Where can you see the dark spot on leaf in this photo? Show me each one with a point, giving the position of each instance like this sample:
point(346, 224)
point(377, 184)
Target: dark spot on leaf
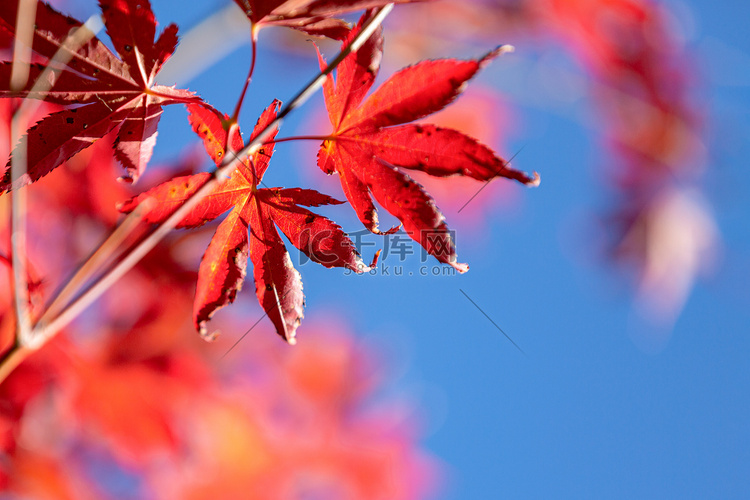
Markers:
point(85, 126)
point(269, 287)
point(419, 129)
point(128, 48)
point(309, 219)
point(69, 120)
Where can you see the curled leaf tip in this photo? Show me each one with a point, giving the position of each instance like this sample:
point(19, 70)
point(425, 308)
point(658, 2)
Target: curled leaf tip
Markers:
point(502, 49)
point(459, 266)
point(375, 259)
point(535, 180)
point(206, 335)
point(361, 268)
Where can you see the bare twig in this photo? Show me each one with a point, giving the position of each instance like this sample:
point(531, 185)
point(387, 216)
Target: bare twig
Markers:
point(19, 73)
point(248, 79)
point(19, 165)
point(108, 250)
point(12, 358)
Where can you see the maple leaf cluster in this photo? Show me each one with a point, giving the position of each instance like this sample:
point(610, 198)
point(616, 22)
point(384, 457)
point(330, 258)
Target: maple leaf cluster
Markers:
point(257, 211)
point(144, 409)
point(372, 146)
point(103, 92)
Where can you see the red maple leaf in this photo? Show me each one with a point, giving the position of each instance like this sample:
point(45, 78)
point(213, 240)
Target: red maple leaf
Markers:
point(311, 16)
point(259, 210)
point(370, 146)
point(114, 92)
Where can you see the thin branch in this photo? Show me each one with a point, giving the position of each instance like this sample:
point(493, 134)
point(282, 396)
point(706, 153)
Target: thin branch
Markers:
point(107, 251)
point(11, 358)
point(24, 37)
point(254, 49)
point(19, 75)
point(45, 331)
point(19, 167)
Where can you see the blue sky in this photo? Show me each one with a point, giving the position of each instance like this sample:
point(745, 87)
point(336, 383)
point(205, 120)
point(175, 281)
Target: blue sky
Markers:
point(587, 411)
